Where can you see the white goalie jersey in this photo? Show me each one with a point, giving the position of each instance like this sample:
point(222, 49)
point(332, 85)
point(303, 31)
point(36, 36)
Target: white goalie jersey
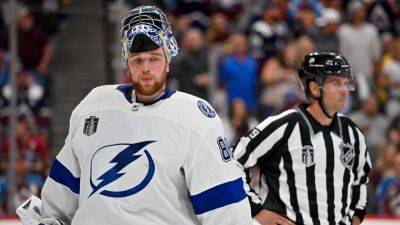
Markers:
point(127, 163)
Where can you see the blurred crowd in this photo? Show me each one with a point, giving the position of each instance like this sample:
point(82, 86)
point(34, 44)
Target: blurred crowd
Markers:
point(240, 55)
point(38, 23)
point(243, 56)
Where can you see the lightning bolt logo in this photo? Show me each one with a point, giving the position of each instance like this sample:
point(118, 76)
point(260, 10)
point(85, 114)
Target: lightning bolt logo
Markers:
point(121, 160)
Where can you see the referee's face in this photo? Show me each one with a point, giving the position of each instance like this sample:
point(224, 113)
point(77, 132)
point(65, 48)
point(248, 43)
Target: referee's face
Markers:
point(336, 90)
point(148, 71)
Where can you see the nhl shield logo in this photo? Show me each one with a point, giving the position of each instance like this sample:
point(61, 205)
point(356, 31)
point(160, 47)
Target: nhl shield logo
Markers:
point(90, 125)
point(307, 156)
point(347, 155)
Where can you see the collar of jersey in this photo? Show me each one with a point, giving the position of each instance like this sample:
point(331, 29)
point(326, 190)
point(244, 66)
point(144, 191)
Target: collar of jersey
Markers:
point(316, 126)
point(127, 89)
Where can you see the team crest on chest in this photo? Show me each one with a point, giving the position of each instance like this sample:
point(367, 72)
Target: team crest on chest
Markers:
point(347, 155)
point(307, 155)
point(90, 125)
point(113, 172)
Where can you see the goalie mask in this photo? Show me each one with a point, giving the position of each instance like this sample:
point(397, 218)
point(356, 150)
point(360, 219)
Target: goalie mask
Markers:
point(146, 28)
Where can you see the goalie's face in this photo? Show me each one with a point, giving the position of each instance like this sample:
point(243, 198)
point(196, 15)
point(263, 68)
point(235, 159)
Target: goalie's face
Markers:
point(148, 71)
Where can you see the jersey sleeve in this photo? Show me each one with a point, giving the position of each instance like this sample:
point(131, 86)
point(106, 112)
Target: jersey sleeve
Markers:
point(259, 143)
point(213, 181)
point(359, 187)
point(61, 190)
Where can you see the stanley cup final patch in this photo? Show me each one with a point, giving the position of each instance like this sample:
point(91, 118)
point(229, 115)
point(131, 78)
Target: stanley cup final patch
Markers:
point(347, 155)
point(307, 155)
point(90, 125)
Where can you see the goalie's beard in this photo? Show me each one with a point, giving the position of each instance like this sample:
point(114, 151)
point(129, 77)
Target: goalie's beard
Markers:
point(158, 85)
point(148, 90)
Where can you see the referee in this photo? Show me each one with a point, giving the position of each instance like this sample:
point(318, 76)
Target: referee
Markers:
point(311, 163)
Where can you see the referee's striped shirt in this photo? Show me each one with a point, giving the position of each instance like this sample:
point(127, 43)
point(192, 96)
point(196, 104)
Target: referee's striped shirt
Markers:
point(312, 174)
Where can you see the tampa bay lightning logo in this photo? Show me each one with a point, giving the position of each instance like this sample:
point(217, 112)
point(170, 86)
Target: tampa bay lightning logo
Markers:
point(123, 158)
point(205, 109)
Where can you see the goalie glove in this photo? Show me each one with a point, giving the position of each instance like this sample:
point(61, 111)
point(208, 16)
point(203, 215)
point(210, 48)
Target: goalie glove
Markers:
point(30, 213)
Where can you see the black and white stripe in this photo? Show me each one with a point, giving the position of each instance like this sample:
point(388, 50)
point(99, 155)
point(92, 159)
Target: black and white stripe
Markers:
point(323, 191)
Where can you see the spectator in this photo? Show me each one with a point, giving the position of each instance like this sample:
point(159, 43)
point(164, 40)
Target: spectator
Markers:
point(37, 172)
point(381, 14)
point(2, 22)
point(384, 168)
point(393, 131)
point(304, 45)
point(382, 91)
point(238, 72)
point(279, 82)
point(252, 10)
point(24, 189)
point(360, 44)
point(326, 39)
point(334, 4)
point(29, 145)
point(240, 122)
point(388, 42)
point(232, 9)
point(388, 193)
point(392, 70)
point(305, 22)
point(216, 35)
point(382, 80)
point(384, 164)
point(48, 14)
point(359, 41)
point(373, 124)
point(190, 67)
point(181, 24)
point(34, 49)
point(31, 99)
point(267, 35)
point(314, 5)
point(4, 67)
point(218, 31)
point(198, 12)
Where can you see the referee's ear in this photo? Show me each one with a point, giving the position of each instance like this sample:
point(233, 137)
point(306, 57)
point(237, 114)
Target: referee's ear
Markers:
point(315, 92)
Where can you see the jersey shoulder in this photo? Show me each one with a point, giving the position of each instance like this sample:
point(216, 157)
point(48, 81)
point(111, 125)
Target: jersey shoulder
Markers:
point(287, 116)
point(348, 122)
point(99, 97)
point(192, 111)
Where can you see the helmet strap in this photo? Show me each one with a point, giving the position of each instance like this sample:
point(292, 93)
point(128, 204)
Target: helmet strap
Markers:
point(320, 98)
point(322, 105)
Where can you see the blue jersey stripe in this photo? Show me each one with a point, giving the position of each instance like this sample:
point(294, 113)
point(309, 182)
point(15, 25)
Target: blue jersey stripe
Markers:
point(218, 196)
point(62, 175)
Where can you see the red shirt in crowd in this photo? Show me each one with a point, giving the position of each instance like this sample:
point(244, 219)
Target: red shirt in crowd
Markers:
point(34, 146)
